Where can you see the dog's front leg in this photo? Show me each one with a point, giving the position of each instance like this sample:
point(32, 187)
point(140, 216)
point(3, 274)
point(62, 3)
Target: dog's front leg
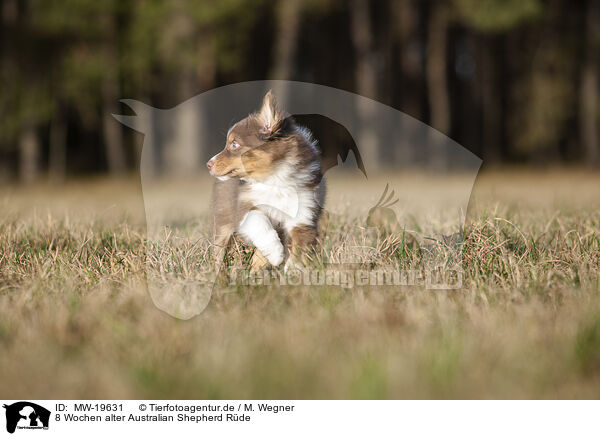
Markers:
point(221, 239)
point(257, 230)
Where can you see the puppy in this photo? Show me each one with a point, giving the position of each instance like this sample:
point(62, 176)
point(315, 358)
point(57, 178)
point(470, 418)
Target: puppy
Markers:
point(269, 188)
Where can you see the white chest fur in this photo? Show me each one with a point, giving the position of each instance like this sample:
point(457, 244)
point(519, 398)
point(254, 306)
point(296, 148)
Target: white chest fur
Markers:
point(283, 198)
point(280, 202)
point(287, 205)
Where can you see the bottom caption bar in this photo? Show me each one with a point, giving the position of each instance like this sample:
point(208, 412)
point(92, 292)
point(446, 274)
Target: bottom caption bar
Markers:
point(299, 417)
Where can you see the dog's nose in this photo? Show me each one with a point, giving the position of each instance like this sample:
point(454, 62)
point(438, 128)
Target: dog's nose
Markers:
point(210, 164)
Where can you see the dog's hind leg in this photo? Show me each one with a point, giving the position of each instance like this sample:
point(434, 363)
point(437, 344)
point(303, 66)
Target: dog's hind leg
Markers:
point(300, 238)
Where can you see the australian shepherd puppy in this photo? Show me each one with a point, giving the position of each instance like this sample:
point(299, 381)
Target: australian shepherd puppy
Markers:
point(269, 187)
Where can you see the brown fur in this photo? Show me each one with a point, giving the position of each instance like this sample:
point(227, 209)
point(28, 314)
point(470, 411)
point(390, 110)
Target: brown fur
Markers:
point(254, 148)
point(302, 236)
point(227, 213)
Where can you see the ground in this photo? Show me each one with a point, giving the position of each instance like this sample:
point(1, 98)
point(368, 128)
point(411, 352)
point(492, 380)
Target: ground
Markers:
point(76, 320)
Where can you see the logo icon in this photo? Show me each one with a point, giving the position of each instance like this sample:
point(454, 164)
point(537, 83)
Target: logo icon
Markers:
point(26, 415)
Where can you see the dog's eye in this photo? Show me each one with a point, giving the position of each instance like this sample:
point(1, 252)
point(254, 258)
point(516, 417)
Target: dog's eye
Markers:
point(234, 145)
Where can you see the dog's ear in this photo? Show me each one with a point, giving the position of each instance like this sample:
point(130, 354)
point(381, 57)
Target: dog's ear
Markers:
point(270, 116)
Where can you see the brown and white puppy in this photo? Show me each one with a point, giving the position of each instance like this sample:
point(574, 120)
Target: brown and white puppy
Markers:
point(269, 186)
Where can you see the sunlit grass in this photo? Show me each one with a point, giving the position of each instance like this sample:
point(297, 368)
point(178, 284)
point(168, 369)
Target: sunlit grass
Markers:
point(76, 319)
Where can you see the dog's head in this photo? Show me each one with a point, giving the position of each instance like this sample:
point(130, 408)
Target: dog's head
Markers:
point(255, 144)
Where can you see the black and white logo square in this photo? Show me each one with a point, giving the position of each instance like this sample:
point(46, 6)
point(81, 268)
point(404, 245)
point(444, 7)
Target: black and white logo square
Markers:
point(24, 415)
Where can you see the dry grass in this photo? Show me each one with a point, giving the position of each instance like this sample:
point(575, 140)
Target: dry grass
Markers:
point(76, 320)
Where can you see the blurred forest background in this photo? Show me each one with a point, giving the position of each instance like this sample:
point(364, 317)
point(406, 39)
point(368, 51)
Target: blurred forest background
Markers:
point(514, 81)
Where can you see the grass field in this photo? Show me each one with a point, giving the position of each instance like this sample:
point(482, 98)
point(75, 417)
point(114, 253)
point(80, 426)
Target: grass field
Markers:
point(76, 320)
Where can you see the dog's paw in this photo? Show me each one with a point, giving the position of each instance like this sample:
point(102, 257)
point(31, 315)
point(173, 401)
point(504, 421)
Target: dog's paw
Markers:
point(275, 257)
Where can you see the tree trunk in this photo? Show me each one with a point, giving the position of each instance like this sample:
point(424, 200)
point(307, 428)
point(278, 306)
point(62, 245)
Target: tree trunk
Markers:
point(186, 147)
point(8, 68)
point(439, 101)
point(29, 153)
point(406, 13)
point(404, 17)
point(189, 126)
point(490, 104)
point(589, 92)
point(192, 118)
point(365, 76)
point(57, 159)
point(286, 42)
point(112, 130)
